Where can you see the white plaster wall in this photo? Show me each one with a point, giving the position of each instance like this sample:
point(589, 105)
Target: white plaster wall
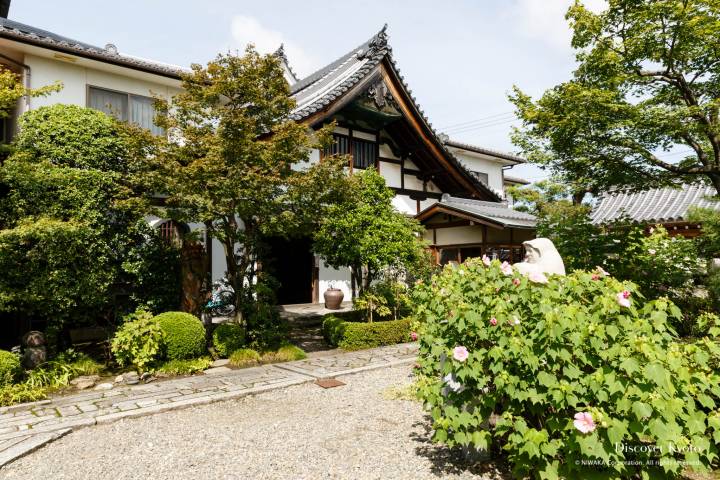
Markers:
point(484, 165)
point(391, 174)
point(219, 266)
point(412, 182)
point(312, 160)
point(405, 204)
point(76, 78)
point(386, 152)
point(459, 235)
point(338, 278)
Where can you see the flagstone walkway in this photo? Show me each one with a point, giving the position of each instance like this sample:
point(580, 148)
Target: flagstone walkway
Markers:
point(26, 427)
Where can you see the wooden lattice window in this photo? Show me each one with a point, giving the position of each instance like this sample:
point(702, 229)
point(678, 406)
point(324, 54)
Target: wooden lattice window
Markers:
point(171, 231)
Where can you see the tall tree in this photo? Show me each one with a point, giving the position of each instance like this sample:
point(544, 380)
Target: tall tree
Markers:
point(642, 108)
point(232, 162)
point(366, 233)
point(73, 242)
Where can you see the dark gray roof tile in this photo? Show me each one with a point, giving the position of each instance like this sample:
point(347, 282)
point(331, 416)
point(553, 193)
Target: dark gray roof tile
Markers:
point(35, 36)
point(660, 205)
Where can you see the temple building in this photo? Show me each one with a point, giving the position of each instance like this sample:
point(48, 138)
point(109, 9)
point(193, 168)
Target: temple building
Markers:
point(456, 190)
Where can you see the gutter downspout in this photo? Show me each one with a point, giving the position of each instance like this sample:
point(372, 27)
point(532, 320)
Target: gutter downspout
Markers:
point(26, 78)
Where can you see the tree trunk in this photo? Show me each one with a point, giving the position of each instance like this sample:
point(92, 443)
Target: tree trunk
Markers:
point(715, 179)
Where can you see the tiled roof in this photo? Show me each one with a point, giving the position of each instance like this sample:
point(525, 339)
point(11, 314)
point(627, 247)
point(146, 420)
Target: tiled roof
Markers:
point(495, 212)
point(484, 151)
point(320, 89)
point(518, 180)
point(660, 205)
point(42, 38)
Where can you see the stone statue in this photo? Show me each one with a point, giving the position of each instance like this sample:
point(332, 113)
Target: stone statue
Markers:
point(541, 256)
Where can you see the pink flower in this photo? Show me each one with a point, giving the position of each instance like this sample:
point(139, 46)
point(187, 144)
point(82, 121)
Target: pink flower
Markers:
point(602, 272)
point(486, 260)
point(516, 281)
point(584, 422)
point(651, 251)
point(414, 336)
point(595, 276)
point(493, 321)
point(623, 298)
point(460, 353)
point(538, 277)
point(506, 268)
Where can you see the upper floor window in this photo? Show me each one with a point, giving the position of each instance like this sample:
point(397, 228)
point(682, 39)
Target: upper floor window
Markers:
point(127, 107)
point(483, 177)
point(364, 152)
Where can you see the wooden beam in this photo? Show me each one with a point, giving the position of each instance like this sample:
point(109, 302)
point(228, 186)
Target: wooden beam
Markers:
point(429, 143)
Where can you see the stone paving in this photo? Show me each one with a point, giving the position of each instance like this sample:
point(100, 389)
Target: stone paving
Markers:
point(26, 426)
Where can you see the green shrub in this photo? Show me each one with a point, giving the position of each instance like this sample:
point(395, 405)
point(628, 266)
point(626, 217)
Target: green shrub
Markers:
point(58, 372)
point(138, 341)
point(706, 323)
point(286, 353)
point(10, 368)
point(245, 357)
point(183, 335)
point(357, 335)
point(227, 338)
point(184, 367)
point(20, 393)
point(556, 372)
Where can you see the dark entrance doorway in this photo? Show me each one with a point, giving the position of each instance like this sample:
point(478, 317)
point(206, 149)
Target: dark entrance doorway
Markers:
point(292, 263)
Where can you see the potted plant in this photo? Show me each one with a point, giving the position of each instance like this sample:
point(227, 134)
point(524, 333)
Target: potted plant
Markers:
point(333, 297)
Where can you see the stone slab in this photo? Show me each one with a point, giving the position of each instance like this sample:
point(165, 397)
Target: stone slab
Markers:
point(216, 370)
point(29, 444)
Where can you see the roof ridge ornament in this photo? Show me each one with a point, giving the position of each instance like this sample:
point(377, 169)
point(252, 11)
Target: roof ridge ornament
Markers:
point(376, 45)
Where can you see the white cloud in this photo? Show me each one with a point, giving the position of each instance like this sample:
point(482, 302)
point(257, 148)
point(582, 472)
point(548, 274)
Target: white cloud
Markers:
point(544, 20)
point(247, 30)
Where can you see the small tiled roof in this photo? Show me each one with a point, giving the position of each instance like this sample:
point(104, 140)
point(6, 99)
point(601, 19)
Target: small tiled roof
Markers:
point(660, 205)
point(485, 151)
point(20, 32)
point(495, 212)
point(518, 180)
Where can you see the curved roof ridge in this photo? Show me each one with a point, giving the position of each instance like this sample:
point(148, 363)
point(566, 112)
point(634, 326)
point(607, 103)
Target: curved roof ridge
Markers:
point(328, 69)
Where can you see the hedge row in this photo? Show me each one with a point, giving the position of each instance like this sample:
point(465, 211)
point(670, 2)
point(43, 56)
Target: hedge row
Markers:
point(357, 336)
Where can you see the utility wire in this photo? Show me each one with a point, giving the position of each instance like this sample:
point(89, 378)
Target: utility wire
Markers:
point(480, 126)
point(477, 120)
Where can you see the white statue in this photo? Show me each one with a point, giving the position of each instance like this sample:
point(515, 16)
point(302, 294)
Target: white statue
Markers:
point(541, 256)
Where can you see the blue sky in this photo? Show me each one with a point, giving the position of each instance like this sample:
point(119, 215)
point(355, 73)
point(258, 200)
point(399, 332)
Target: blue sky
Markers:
point(460, 58)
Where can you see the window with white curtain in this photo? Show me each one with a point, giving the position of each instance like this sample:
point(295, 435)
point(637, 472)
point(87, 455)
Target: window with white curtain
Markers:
point(136, 109)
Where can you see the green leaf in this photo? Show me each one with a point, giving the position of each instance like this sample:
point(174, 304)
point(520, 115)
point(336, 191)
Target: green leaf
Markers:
point(657, 373)
point(642, 410)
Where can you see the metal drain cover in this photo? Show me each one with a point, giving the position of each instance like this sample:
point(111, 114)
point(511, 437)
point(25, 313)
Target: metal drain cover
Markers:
point(328, 382)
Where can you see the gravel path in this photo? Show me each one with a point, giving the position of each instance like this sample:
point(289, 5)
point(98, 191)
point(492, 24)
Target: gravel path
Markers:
point(299, 432)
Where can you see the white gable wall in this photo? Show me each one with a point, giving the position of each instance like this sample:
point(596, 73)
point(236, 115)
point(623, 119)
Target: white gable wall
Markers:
point(76, 79)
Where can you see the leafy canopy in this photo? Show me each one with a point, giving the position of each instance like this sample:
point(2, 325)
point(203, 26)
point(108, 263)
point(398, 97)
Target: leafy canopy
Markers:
point(366, 232)
point(71, 225)
point(237, 162)
point(646, 83)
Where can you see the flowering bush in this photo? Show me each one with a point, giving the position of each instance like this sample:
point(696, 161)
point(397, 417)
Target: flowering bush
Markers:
point(574, 376)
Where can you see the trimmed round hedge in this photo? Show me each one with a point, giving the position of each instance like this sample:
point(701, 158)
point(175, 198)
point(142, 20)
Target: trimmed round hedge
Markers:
point(227, 338)
point(10, 368)
point(183, 335)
